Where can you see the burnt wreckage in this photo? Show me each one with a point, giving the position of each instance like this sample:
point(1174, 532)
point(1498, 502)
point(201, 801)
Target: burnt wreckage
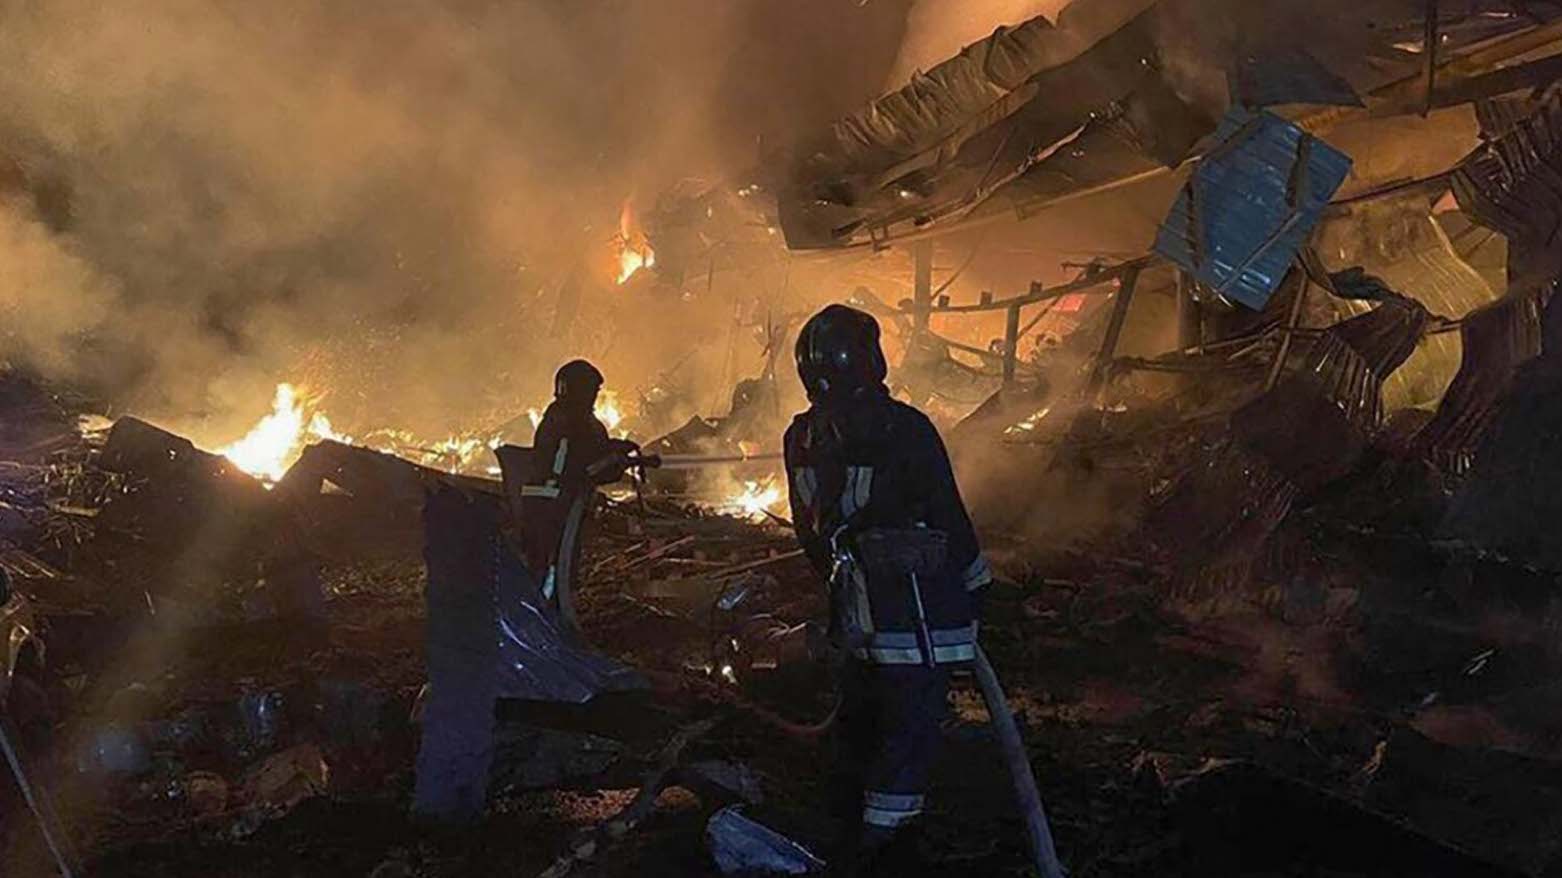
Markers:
point(1274, 517)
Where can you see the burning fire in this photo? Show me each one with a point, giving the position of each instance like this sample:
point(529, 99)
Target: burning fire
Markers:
point(277, 441)
point(607, 411)
point(634, 248)
point(756, 501)
point(271, 446)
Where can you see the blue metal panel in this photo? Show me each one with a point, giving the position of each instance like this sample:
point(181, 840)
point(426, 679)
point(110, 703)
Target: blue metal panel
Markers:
point(1250, 205)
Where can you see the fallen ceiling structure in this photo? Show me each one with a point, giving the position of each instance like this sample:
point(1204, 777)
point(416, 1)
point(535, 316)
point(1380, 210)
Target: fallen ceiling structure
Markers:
point(1040, 114)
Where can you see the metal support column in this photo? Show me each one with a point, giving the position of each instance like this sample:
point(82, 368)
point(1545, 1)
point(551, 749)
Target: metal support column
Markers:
point(1011, 345)
point(1114, 331)
point(1190, 326)
point(1431, 42)
point(922, 285)
point(1292, 321)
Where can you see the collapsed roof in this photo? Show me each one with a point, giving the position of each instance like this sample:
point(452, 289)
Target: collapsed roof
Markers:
point(1116, 90)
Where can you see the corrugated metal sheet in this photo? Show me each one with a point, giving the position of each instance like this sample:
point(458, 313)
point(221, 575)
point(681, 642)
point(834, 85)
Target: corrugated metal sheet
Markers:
point(1513, 182)
point(1250, 205)
point(1398, 241)
point(1497, 340)
point(965, 94)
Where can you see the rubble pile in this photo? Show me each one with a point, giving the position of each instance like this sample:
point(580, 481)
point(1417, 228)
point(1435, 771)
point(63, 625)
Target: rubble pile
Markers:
point(279, 730)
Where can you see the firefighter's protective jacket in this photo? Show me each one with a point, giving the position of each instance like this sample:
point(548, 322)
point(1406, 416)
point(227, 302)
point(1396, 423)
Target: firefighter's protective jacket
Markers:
point(572, 454)
point(871, 469)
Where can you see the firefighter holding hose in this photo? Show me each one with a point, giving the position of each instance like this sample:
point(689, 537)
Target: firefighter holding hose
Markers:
point(573, 454)
point(878, 513)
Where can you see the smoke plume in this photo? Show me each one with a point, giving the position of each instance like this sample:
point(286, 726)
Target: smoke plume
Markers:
point(378, 202)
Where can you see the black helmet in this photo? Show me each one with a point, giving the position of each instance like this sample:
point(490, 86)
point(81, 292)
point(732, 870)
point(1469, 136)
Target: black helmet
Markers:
point(576, 381)
point(838, 353)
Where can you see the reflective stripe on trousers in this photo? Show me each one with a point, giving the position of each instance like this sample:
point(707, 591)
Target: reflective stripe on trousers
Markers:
point(978, 575)
point(950, 646)
point(890, 810)
point(889, 726)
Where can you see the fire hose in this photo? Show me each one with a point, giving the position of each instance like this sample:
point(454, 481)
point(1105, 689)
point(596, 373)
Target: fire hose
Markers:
point(695, 461)
point(35, 804)
point(906, 551)
point(1037, 830)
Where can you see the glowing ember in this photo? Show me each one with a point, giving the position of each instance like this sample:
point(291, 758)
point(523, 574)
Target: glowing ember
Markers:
point(1029, 423)
point(634, 248)
point(320, 428)
point(756, 501)
point(458, 452)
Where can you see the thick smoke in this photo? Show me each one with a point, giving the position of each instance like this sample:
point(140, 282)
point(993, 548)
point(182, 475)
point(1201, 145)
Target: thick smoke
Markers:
point(384, 203)
point(379, 202)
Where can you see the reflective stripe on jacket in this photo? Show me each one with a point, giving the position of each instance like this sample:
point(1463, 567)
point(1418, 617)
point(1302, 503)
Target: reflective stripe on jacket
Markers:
point(880, 464)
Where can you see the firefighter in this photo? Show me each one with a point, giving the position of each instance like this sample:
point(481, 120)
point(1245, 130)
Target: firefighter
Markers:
point(573, 453)
point(878, 513)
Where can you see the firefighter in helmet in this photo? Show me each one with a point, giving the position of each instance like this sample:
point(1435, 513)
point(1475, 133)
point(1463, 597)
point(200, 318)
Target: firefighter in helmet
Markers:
point(878, 513)
point(572, 454)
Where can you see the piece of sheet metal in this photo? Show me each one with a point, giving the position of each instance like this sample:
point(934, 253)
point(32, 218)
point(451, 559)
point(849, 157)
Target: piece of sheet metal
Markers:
point(1287, 75)
point(1250, 205)
point(537, 660)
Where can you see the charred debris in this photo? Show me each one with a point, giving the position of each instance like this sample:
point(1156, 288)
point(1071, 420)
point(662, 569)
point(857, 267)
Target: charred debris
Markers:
point(1281, 595)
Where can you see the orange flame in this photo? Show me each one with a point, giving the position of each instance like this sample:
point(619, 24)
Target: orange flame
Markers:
point(634, 248)
point(279, 439)
point(273, 444)
point(607, 411)
point(755, 500)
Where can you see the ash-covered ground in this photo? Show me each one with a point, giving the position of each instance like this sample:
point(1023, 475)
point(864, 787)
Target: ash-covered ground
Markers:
point(1367, 703)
